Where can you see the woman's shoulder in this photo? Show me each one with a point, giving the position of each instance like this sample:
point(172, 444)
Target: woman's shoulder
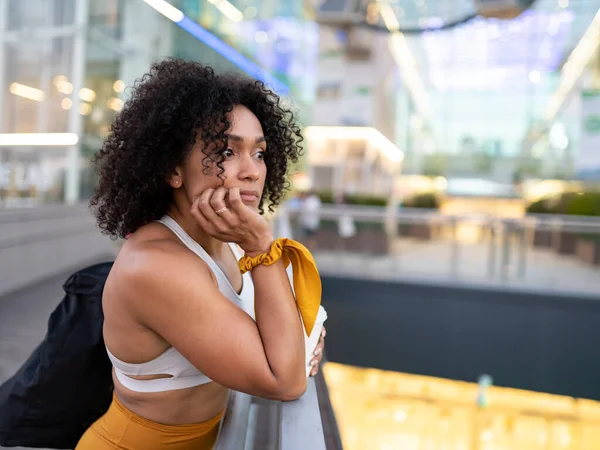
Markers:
point(151, 245)
point(152, 256)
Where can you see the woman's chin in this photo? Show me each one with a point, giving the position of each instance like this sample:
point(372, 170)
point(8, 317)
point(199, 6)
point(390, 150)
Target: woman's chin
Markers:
point(251, 204)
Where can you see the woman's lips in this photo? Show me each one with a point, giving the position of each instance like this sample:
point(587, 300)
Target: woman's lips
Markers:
point(249, 196)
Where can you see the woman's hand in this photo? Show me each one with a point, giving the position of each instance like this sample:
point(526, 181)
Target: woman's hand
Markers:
point(318, 353)
point(223, 215)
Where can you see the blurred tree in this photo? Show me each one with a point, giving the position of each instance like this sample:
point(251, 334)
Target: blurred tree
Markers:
point(483, 162)
point(435, 165)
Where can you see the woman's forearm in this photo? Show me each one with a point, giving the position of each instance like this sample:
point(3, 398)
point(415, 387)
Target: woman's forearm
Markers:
point(279, 325)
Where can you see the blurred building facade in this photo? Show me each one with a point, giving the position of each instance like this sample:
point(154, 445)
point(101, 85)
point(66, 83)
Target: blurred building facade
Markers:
point(429, 87)
point(354, 116)
point(65, 66)
point(477, 93)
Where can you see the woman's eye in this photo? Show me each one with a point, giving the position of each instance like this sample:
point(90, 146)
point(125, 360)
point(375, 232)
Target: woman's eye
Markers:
point(261, 154)
point(227, 153)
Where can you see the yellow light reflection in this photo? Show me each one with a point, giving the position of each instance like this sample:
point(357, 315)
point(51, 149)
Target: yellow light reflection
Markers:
point(370, 134)
point(66, 103)
point(116, 104)
point(87, 94)
point(64, 87)
point(119, 86)
point(27, 92)
point(59, 79)
point(376, 409)
point(85, 109)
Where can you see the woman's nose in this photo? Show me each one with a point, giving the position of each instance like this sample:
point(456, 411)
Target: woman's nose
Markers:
point(249, 170)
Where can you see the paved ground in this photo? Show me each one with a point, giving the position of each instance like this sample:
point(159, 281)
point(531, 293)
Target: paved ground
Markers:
point(23, 321)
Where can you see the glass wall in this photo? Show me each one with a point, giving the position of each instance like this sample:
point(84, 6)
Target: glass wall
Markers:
point(280, 36)
point(36, 58)
point(489, 84)
point(65, 66)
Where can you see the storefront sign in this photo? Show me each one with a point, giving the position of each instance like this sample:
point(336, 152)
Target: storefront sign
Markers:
point(23, 177)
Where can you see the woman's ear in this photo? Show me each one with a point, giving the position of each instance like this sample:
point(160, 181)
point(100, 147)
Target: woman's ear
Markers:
point(176, 180)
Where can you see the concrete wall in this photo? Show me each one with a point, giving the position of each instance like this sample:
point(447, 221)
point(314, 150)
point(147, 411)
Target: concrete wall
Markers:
point(40, 242)
point(547, 343)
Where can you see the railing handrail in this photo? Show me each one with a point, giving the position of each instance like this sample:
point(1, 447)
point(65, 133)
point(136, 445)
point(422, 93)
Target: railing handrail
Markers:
point(382, 214)
point(28, 214)
point(234, 425)
point(300, 424)
point(360, 213)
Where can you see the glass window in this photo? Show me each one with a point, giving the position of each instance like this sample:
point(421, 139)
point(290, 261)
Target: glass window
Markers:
point(32, 14)
point(38, 93)
point(106, 16)
point(32, 175)
point(103, 89)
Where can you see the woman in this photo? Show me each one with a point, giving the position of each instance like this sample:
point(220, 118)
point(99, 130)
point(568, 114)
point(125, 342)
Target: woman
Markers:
point(189, 165)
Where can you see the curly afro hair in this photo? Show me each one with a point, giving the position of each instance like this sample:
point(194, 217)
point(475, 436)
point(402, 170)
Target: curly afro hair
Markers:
point(158, 126)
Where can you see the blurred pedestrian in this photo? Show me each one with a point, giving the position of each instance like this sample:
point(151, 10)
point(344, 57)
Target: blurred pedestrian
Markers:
point(310, 218)
point(346, 225)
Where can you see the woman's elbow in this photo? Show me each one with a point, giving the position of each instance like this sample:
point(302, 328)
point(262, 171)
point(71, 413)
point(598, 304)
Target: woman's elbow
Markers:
point(289, 392)
point(294, 393)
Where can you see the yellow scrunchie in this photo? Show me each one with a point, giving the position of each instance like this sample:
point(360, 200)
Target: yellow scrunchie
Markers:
point(307, 282)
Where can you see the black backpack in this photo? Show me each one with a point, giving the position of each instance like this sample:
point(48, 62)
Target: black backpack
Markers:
point(66, 384)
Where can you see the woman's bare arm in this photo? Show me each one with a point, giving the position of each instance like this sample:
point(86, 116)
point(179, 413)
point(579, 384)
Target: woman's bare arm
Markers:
point(174, 293)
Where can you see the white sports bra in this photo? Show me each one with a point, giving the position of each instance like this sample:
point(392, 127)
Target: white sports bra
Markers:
point(171, 362)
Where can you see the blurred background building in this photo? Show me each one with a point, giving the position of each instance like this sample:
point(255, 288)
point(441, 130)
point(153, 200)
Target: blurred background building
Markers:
point(65, 66)
point(464, 139)
point(437, 89)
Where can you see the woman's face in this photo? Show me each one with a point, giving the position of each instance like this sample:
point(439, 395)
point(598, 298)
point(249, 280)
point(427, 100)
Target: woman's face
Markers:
point(244, 165)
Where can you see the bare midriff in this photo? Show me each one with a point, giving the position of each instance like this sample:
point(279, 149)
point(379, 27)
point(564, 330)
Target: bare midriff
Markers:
point(179, 407)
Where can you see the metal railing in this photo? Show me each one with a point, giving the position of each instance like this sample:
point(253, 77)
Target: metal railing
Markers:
point(548, 252)
point(296, 425)
point(46, 240)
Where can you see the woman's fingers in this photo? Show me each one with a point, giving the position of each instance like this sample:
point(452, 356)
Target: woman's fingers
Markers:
point(314, 367)
point(225, 216)
point(204, 205)
point(318, 354)
point(216, 225)
point(204, 199)
point(217, 201)
point(319, 350)
point(197, 214)
point(321, 342)
point(236, 203)
point(218, 218)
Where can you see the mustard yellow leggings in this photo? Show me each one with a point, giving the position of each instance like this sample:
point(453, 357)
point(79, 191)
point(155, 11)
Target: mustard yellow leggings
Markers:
point(121, 429)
